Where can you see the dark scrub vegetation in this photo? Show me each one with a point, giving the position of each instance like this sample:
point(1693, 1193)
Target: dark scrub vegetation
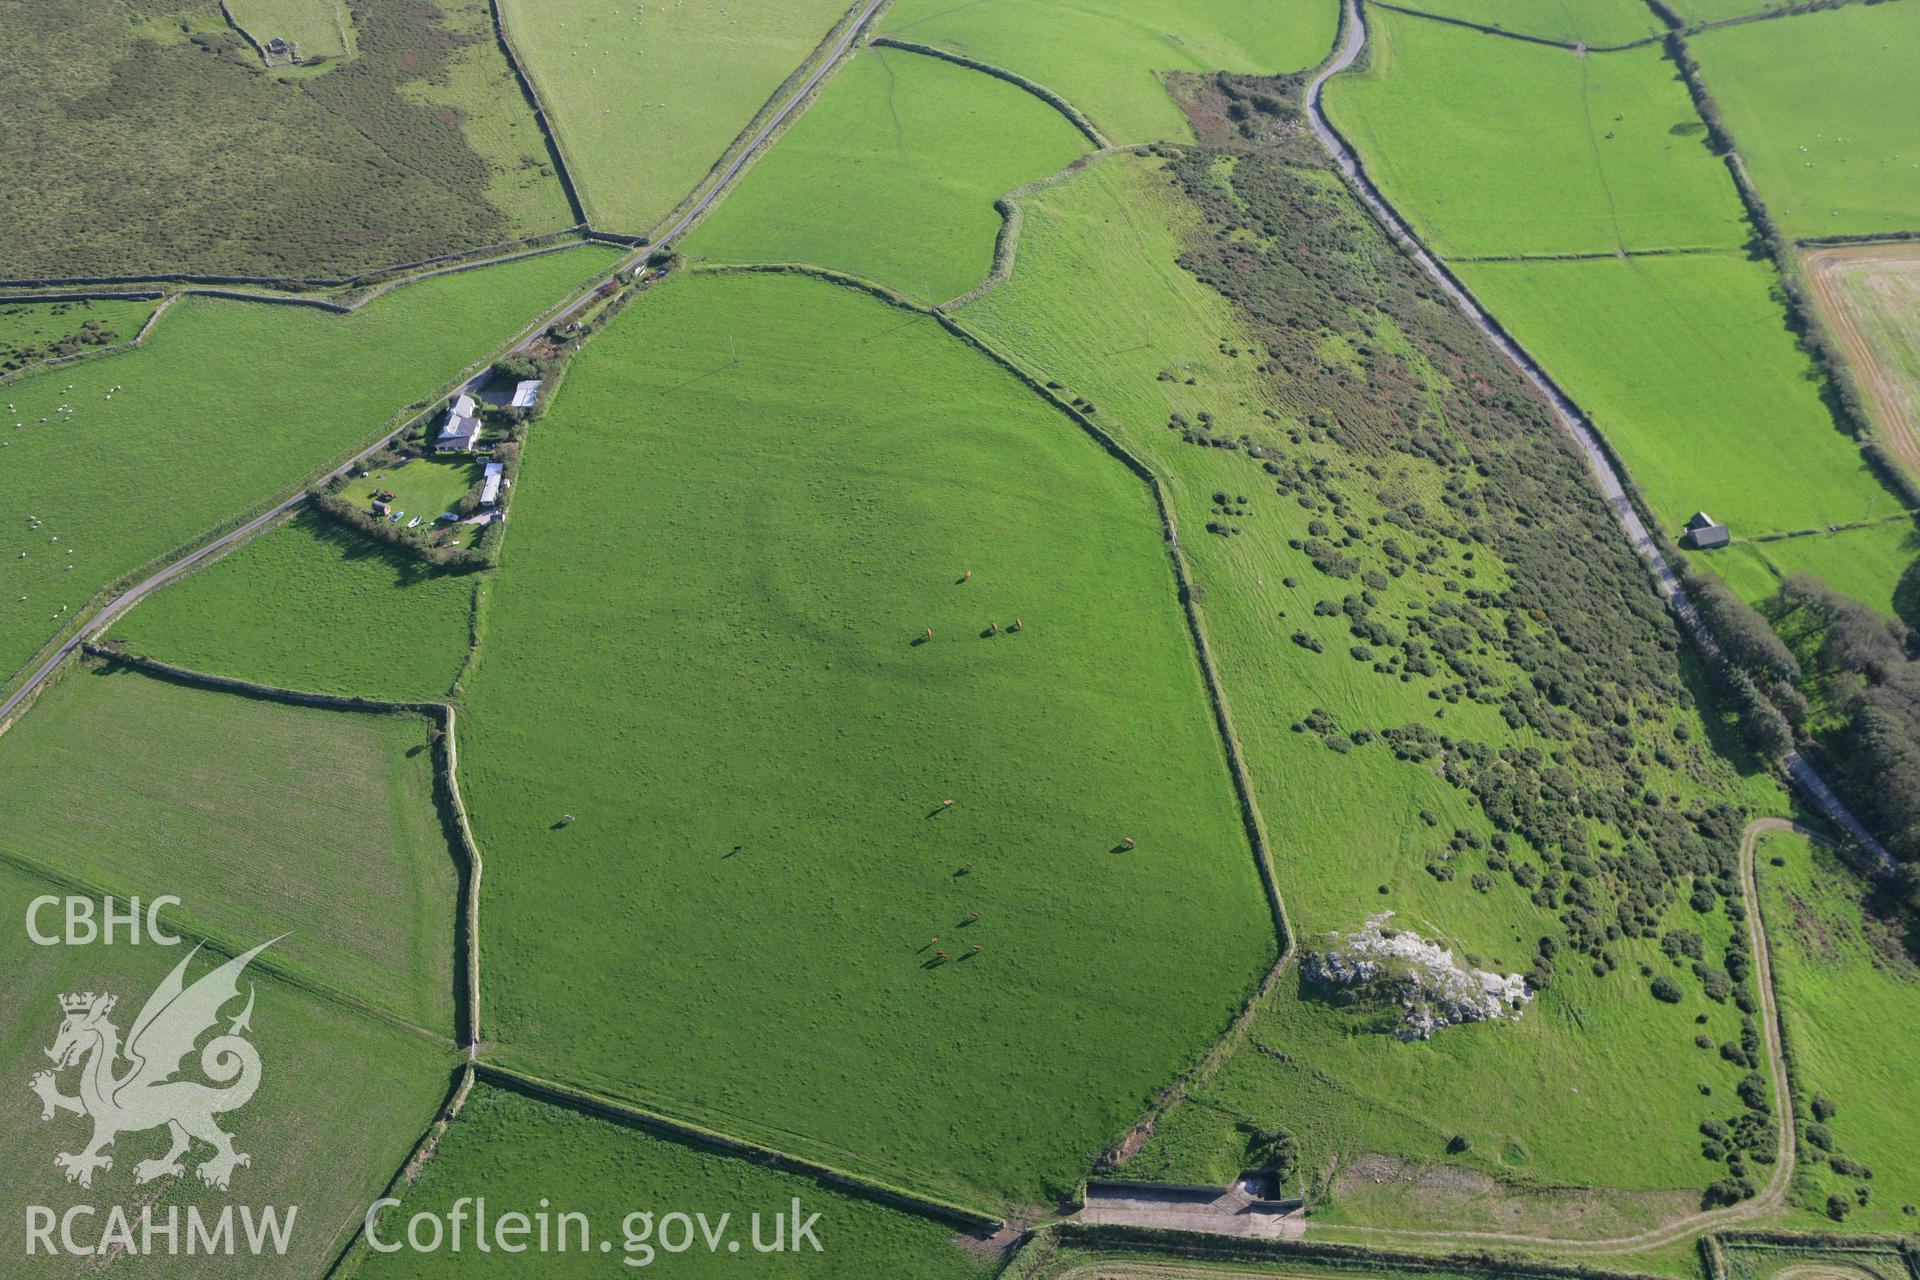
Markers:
point(145, 137)
point(1599, 683)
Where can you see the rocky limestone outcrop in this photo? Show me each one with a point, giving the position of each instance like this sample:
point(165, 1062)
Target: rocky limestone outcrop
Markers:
point(1432, 989)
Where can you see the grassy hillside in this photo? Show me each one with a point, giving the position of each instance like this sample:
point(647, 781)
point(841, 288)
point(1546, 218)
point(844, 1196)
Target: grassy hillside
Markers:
point(1853, 562)
point(316, 28)
point(1847, 984)
point(893, 175)
point(313, 606)
point(1108, 57)
point(262, 818)
point(1607, 153)
point(646, 98)
point(755, 738)
point(1818, 113)
point(342, 1100)
point(1097, 301)
point(225, 405)
point(154, 140)
point(519, 1153)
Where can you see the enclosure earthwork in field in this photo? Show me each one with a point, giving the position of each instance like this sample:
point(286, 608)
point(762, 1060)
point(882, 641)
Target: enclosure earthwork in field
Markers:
point(833, 616)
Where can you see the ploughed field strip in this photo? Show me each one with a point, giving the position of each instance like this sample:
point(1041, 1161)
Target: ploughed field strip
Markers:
point(107, 464)
point(515, 1150)
point(263, 818)
point(646, 98)
point(1381, 620)
point(157, 142)
point(1110, 58)
point(864, 801)
point(1870, 297)
point(892, 175)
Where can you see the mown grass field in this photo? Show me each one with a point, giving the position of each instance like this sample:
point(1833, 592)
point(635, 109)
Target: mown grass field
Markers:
point(32, 331)
point(736, 926)
point(342, 1100)
point(1848, 986)
point(1107, 58)
point(154, 141)
point(226, 404)
point(1818, 112)
point(1607, 154)
point(647, 98)
point(1610, 1075)
point(424, 487)
point(316, 28)
point(521, 1153)
point(892, 174)
point(316, 606)
point(1590, 22)
point(1870, 296)
point(1687, 367)
point(261, 817)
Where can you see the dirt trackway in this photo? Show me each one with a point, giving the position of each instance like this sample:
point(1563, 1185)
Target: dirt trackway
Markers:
point(139, 591)
point(1787, 1154)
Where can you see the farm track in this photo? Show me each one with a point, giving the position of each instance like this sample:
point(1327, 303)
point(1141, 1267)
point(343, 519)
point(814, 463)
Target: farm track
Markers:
point(1600, 462)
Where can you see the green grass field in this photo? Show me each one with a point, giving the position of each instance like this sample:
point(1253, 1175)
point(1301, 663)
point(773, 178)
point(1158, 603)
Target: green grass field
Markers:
point(316, 606)
point(153, 141)
point(261, 817)
point(647, 98)
point(32, 331)
point(424, 487)
point(1107, 58)
point(521, 1153)
point(893, 175)
point(1853, 562)
point(1687, 367)
point(1847, 987)
point(316, 28)
point(1817, 112)
point(1590, 22)
point(1097, 301)
point(342, 1099)
point(756, 753)
point(226, 404)
point(1606, 154)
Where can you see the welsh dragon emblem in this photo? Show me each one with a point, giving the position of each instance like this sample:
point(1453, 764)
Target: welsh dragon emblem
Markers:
point(131, 1087)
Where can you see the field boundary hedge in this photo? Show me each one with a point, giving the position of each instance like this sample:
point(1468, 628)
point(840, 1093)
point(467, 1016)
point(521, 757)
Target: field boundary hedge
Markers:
point(1253, 822)
point(1059, 103)
point(582, 1100)
point(1673, 21)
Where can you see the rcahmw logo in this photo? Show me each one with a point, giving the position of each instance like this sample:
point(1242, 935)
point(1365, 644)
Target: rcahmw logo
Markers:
point(126, 1087)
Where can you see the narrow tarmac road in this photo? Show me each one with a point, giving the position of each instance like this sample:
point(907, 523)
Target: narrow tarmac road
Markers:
point(1599, 463)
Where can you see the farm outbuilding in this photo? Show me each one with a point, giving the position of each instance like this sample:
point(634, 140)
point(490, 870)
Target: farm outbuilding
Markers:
point(525, 394)
point(1703, 532)
point(490, 484)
